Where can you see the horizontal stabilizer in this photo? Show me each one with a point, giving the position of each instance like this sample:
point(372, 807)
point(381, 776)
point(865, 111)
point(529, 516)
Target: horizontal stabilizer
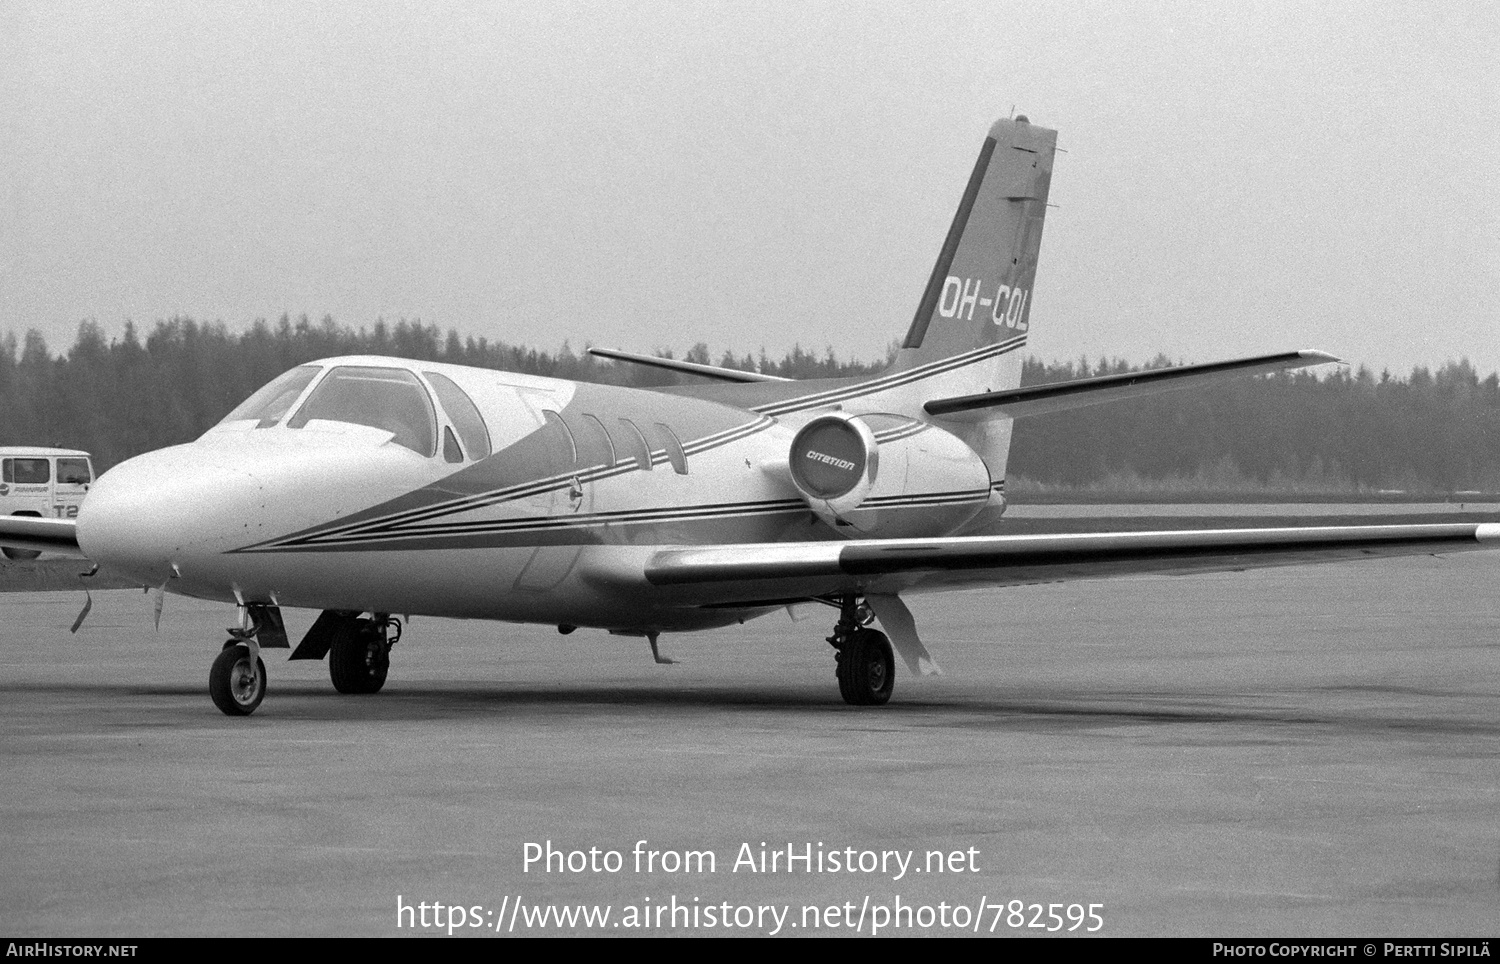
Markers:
point(690, 368)
point(1061, 396)
point(887, 566)
point(40, 535)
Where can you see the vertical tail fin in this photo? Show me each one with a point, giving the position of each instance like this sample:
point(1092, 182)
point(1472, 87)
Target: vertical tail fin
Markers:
point(979, 293)
point(975, 313)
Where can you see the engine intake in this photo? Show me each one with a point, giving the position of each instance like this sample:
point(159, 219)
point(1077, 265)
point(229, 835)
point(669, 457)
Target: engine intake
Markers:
point(834, 461)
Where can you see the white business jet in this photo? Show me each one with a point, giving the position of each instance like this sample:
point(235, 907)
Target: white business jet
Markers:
point(367, 487)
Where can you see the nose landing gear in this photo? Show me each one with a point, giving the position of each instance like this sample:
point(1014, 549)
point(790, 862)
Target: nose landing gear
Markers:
point(237, 681)
point(864, 662)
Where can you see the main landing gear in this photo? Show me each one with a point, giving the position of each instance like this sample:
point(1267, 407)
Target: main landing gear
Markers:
point(358, 650)
point(865, 664)
point(359, 656)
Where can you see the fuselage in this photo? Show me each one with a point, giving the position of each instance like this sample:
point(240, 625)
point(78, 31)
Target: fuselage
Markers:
point(386, 485)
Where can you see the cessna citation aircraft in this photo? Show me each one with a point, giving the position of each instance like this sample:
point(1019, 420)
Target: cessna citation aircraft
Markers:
point(370, 487)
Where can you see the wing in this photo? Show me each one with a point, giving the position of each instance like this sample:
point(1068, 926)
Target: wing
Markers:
point(1061, 396)
point(40, 535)
point(780, 572)
point(691, 368)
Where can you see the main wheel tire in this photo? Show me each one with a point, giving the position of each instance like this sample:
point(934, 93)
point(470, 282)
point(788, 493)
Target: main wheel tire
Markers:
point(237, 686)
point(866, 669)
point(359, 658)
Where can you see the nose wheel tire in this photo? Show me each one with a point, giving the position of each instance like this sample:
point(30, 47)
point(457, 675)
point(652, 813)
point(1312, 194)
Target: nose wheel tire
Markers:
point(359, 658)
point(866, 668)
point(236, 682)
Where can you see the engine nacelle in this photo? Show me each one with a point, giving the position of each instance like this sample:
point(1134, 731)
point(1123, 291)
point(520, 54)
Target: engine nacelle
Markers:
point(834, 460)
point(887, 475)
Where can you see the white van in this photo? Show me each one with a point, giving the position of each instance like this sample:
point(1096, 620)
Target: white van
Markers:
point(43, 482)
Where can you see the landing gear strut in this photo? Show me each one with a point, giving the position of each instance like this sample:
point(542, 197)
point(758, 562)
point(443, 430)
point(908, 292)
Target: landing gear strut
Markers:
point(866, 666)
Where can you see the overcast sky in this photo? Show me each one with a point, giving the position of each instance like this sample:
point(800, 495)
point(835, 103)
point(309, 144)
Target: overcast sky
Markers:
point(1240, 177)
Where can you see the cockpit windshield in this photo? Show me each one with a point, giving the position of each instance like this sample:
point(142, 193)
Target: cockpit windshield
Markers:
point(383, 398)
point(267, 406)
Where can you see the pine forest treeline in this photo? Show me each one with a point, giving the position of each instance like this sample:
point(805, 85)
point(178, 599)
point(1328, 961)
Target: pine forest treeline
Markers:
point(1431, 432)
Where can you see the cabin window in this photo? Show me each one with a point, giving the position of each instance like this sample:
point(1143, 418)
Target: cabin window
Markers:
point(269, 405)
point(636, 442)
point(675, 455)
point(390, 399)
point(464, 415)
point(609, 443)
point(570, 455)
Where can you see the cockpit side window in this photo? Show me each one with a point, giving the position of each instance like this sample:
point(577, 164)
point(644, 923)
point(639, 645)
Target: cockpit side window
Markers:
point(273, 401)
point(464, 414)
point(385, 398)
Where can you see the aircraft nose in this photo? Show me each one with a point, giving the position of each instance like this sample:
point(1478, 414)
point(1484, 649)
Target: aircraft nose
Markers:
point(150, 513)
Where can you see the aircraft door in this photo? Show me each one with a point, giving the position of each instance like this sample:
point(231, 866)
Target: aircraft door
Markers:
point(556, 552)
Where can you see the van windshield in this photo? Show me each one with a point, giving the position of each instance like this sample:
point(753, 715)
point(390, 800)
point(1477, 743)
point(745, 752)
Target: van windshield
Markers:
point(383, 398)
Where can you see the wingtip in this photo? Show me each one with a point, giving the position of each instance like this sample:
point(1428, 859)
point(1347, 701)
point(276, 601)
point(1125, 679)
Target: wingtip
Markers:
point(1316, 357)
